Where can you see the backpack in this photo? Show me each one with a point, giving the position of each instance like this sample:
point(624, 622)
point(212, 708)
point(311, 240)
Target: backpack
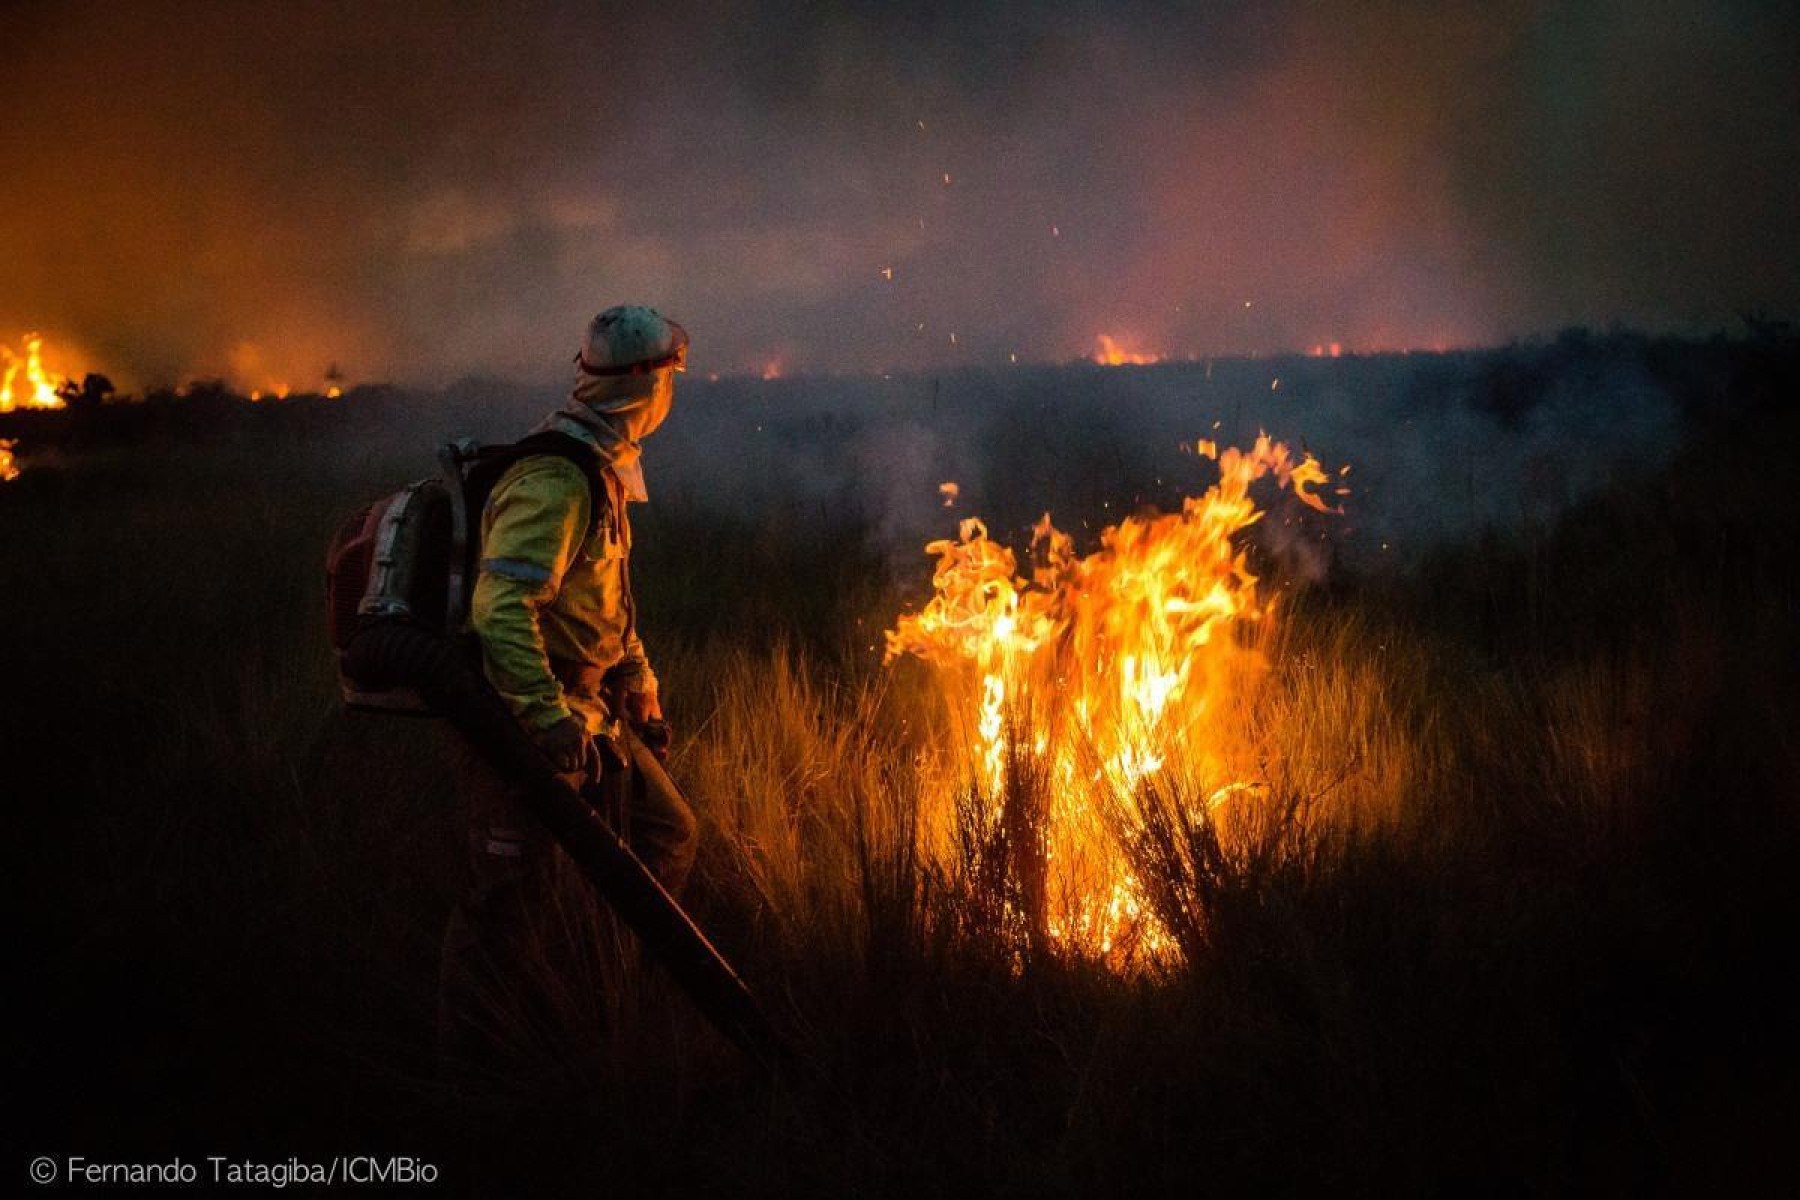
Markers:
point(411, 556)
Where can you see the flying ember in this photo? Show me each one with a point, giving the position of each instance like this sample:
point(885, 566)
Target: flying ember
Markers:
point(1074, 691)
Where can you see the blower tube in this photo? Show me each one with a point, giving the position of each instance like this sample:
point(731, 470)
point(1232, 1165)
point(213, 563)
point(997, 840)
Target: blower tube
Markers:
point(386, 654)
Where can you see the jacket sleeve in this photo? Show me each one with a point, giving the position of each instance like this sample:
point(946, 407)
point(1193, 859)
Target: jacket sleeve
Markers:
point(532, 530)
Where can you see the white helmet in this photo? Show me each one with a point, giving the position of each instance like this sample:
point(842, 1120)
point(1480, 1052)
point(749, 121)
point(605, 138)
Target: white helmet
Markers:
point(632, 340)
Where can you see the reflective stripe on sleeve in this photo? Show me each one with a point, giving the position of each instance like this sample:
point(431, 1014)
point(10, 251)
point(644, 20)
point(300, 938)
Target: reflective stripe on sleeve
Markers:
point(514, 568)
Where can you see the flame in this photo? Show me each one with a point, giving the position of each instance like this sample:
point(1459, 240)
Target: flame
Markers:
point(40, 389)
point(9, 466)
point(1100, 674)
point(949, 490)
point(1109, 353)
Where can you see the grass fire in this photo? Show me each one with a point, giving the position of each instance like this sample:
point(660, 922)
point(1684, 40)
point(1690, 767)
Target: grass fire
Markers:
point(1220, 783)
point(1108, 352)
point(25, 382)
point(902, 601)
point(1101, 682)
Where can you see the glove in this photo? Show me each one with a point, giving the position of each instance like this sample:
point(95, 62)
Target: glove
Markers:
point(568, 747)
point(644, 711)
point(656, 736)
point(641, 707)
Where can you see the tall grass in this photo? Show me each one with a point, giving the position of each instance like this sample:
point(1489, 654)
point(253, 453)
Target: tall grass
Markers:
point(1504, 905)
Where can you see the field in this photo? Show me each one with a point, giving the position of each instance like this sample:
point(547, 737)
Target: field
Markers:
point(1514, 910)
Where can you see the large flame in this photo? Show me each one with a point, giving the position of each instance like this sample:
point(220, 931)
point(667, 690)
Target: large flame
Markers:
point(1100, 674)
point(39, 389)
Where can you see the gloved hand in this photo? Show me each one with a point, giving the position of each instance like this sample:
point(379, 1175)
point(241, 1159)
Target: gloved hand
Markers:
point(568, 747)
point(641, 707)
point(656, 736)
point(644, 711)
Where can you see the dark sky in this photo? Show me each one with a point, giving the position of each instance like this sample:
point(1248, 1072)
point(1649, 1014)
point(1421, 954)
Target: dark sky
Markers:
point(423, 192)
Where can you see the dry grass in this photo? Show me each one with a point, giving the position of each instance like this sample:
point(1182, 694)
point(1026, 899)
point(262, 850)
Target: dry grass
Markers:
point(1504, 907)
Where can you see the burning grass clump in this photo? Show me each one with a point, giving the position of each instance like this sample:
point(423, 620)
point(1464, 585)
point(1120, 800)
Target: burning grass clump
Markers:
point(1103, 682)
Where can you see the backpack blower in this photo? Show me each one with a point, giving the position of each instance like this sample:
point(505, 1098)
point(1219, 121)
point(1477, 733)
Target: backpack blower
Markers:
point(399, 576)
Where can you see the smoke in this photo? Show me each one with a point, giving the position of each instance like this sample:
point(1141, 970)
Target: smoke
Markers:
point(427, 192)
point(1434, 448)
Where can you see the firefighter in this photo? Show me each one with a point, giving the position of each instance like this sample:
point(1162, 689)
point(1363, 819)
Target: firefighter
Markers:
point(556, 624)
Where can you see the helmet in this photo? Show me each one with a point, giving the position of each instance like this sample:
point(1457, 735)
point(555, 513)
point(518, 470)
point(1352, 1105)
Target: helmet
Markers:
point(632, 340)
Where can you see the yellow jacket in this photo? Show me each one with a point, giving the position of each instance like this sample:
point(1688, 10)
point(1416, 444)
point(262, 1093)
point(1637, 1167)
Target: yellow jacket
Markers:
point(544, 593)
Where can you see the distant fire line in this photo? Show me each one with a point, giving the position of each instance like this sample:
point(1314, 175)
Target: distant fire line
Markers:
point(43, 392)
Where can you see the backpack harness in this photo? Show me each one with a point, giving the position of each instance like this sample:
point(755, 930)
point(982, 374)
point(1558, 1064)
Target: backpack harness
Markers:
point(410, 557)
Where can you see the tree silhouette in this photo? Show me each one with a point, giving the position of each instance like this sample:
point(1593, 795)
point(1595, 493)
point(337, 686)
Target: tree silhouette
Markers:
point(93, 391)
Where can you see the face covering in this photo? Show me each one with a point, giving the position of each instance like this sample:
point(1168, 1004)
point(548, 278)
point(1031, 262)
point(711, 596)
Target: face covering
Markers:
point(621, 411)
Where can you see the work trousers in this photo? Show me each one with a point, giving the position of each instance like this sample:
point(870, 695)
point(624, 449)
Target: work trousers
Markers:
point(525, 954)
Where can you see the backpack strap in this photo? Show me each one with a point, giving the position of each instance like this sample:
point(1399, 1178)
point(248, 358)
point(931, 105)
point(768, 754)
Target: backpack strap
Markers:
point(491, 462)
point(473, 472)
point(570, 449)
